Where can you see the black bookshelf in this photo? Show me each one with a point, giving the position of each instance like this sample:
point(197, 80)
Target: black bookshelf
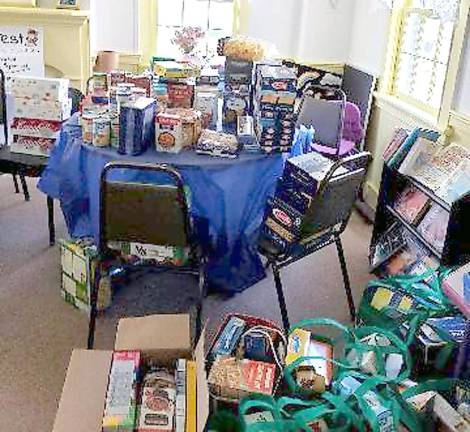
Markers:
point(456, 249)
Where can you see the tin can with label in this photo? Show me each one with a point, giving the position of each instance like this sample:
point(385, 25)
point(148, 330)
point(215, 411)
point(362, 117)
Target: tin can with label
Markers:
point(115, 132)
point(100, 84)
point(124, 94)
point(87, 128)
point(101, 132)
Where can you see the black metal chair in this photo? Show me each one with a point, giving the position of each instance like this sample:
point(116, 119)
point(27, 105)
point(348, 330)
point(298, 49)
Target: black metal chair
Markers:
point(325, 221)
point(147, 214)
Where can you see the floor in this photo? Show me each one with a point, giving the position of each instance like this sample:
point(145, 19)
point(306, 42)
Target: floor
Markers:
point(38, 330)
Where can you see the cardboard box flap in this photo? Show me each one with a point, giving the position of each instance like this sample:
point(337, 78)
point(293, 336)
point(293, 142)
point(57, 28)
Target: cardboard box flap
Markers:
point(82, 403)
point(202, 386)
point(155, 333)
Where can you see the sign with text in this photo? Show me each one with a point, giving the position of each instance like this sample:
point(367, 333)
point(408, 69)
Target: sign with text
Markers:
point(22, 51)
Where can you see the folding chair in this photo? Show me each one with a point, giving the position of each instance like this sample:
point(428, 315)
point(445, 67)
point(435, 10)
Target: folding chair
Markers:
point(146, 214)
point(325, 221)
point(324, 109)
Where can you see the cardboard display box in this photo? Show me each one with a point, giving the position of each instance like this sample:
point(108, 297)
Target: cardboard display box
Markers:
point(164, 338)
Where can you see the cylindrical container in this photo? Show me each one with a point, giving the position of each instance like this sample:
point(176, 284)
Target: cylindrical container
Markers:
point(139, 92)
point(107, 61)
point(101, 131)
point(87, 128)
point(117, 77)
point(99, 84)
point(115, 132)
point(124, 94)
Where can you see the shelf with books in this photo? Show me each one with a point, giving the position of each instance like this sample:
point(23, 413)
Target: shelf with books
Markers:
point(407, 206)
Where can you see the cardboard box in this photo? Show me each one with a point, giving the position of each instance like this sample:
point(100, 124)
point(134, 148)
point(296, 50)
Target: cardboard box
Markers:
point(162, 338)
point(43, 89)
point(169, 133)
point(36, 128)
point(137, 126)
point(32, 145)
point(42, 110)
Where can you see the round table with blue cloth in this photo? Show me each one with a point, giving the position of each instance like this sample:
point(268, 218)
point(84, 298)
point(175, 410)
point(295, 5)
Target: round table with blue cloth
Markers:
point(231, 194)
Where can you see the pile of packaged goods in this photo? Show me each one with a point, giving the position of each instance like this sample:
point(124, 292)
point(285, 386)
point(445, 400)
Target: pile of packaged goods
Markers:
point(79, 259)
point(40, 107)
point(145, 397)
point(177, 129)
point(247, 357)
point(286, 213)
point(237, 93)
point(179, 80)
point(120, 112)
point(273, 107)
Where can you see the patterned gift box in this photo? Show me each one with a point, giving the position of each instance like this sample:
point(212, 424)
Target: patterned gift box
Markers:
point(32, 145)
point(36, 128)
point(46, 89)
point(78, 260)
point(42, 110)
point(137, 126)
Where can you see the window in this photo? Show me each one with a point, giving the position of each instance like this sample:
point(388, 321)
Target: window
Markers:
point(215, 17)
point(422, 57)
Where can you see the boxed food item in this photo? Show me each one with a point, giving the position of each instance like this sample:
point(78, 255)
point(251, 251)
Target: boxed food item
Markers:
point(137, 126)
point(180, 95)
point(51, 110)
point(32, 145)
point(121, 397)
point(44, 89)
point(172, 69)
point(208, 104)
point(169, 133)
point(36, 128)
point(234, 105)
point(238, 71)
point(276, 78)
point(78, 260)
point(217, 144)
point(161, 340)
point(230, 377)
point(192, 124)
point(228, 340)
point(246, 133)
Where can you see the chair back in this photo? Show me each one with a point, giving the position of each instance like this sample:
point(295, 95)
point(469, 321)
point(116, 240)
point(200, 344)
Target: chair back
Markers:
point(332, 206)
point(352, 126)
point(144, 213)
point(327, 117)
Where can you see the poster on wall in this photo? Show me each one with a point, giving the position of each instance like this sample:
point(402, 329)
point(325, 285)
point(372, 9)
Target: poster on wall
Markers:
point(22, 51)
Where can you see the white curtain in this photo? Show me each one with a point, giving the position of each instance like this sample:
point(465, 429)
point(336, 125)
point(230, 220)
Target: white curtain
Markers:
point(447, 10)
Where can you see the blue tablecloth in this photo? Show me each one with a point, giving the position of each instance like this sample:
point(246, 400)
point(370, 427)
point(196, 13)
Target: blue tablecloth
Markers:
point(230, 194)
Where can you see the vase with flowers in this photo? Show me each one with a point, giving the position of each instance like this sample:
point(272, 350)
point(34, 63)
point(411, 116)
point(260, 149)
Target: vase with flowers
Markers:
point(187, 40)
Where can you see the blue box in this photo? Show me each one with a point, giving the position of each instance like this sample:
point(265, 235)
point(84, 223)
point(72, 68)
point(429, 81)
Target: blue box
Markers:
point(294, 195)
point(137, 126)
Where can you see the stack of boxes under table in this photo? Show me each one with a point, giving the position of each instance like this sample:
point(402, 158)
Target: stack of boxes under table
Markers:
point(40, 107)
point(274, 100)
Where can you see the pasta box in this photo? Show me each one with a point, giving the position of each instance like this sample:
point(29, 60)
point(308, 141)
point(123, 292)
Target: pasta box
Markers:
point(160, 339)
point(137, 126)
point(285, 221)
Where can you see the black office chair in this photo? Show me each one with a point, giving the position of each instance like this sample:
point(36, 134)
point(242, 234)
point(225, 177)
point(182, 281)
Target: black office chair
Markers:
point(147, 214)
point(325, 221)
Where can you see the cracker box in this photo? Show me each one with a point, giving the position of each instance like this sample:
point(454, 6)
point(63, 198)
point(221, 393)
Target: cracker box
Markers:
point(160, 339)
point(180, 95)
point(238, 71)
point(36, 128)
point(230, 377)
point(32, 145)
point(208, 104)
point(277, 78)
point(234, 105)
point(121, 397)
point(137, 126)
point(172, 69)
point(42, 110)
point(44, 89)
point(78, 260)
point(219, 144)
point(169, 133)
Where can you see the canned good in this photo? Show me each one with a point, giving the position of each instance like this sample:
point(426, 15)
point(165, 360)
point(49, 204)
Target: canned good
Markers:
point(101, 131)
point(115, 132)
point(100, 84)
point(117, 77)
point(87, 128)
point(139, 92)
point(124, 94)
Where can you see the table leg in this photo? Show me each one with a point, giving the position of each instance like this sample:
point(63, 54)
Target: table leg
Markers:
point(50, 219)
point(24, 186)
point(15, 183)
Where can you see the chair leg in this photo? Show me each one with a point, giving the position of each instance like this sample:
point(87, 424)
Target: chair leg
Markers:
point(50, 220)
point(15, 183)
point(93, 308)
point(347, 283)
point(280, 296)
point(24, 185)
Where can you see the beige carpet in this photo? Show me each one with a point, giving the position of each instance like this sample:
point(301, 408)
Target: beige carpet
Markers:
point(38, 330)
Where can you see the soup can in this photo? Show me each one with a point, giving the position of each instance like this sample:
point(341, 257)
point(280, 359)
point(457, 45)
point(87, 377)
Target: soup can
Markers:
point(87, 128)
point(101, 131)
point(115, 132)
point(100, 84)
